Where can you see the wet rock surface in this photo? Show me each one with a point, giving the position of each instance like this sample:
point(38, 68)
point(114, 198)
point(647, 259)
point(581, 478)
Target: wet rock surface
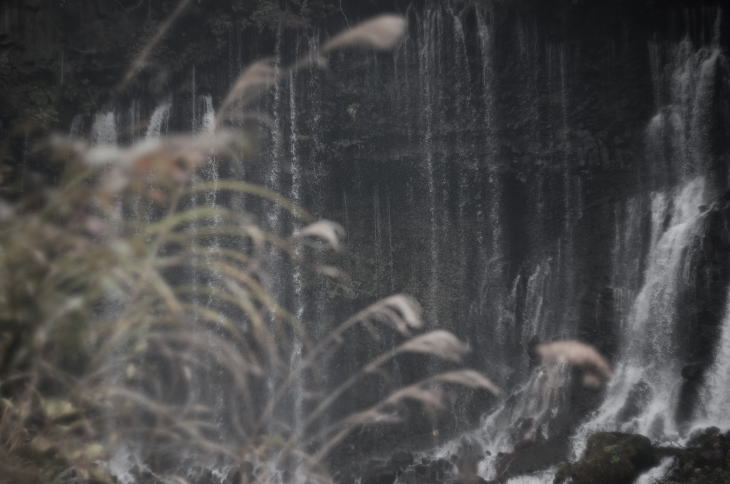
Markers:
point(610, 457)
point(613, 457)
point(530, 456)
point(387, 471)
point(705, 459)
point(407, 468)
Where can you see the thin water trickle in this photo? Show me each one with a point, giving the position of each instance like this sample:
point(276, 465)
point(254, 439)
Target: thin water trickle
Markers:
point(77, 126)
point(158, 120)
point(194, 98)
point(427, 65)
point(536, 478)
point(449, 113)
point(297, 281)
point(135, 120)
point(489, 204)
point(526, 415)
point(104, 129)
point(273, 171)
point(656, 474)
point(464, 165)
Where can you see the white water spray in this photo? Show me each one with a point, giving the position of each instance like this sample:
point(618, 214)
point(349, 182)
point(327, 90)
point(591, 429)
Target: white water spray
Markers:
point(643, 395)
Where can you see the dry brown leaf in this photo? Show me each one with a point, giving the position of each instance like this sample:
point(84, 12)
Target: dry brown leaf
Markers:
point(327, 231)
point(575, 353)
point(438, 343)
point(431, 398)
point(382, 32)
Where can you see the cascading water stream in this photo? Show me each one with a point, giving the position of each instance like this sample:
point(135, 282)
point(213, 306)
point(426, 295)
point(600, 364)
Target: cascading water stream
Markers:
point(647, 375)
point(297, 282)
point(158, 120)
point(448, 119)
point(654, 475)
point(647, 276)
point(104, 129)
point(135, 120)
point(104, 132)
point(527, 414)
point(275, 158)
point(126, 457)
point(493, 210)
point(210, 174)
point(428, 66)
point(462, 111)
point(272, 179)
point(714, 408)
point(643, 396)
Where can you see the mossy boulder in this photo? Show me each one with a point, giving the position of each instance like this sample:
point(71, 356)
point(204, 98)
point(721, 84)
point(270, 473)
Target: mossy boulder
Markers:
point(610, 458)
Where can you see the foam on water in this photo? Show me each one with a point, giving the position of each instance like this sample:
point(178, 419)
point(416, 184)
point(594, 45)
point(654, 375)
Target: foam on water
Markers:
point(647, 374)
point(657, 473)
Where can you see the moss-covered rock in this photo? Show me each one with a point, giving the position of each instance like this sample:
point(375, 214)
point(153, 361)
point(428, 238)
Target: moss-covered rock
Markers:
point(610, 458)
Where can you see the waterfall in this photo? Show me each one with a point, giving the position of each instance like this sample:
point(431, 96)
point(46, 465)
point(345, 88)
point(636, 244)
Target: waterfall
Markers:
point(627, 253)
point(104, 132)
point(104, 129)
point(643, 396)
point(524, 417)
point(135, 120)
point(77, 126)
point(715, 394)
point(298, 301)
point(126, 458)
point(208, 121)
point(456, 174)
point(429, 36)
point(378, 238)
point(656, 474)
point(463, 165)
point(488, 215)
point(678, 134)
point(158, 120)
point(210, 173)
point(274, 159)
point(527, 413)
point(536, 478)
point(194, 106)
point(490, 300)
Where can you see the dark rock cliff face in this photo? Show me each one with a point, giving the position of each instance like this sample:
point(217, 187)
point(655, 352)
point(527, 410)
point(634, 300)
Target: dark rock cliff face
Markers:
point(616, 457)
point(496, 165)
